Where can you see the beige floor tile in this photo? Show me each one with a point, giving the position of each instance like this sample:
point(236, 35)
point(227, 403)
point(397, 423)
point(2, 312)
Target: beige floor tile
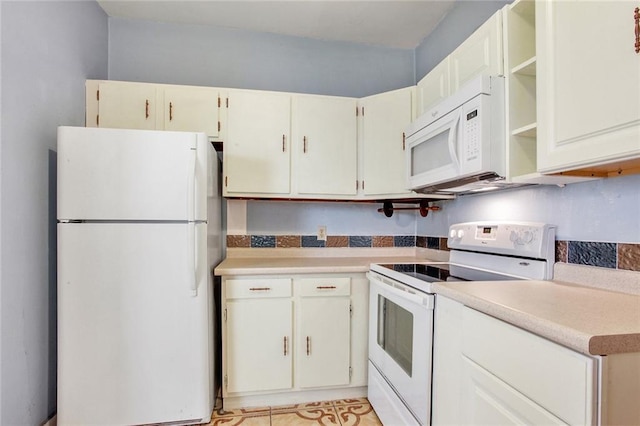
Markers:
point(242, 420)
point(311, 416)
point(358, 414)
point(350, 401)
point(304, 406)
point(247, 412)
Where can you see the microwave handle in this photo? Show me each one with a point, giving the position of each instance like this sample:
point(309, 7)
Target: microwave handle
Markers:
point(453, 138)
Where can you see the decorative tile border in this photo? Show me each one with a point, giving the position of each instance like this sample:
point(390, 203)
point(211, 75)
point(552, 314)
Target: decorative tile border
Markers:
point(601, 254)
point(305, 241)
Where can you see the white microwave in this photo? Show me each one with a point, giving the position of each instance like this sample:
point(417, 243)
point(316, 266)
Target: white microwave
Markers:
point(459, 145)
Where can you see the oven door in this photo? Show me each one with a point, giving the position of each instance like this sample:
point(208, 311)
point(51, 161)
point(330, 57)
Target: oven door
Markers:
point(432, 152)
point(400, 341)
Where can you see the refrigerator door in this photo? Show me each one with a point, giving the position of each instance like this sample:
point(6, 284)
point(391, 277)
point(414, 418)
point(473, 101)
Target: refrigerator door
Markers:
point(116, 174)
point(133, 344)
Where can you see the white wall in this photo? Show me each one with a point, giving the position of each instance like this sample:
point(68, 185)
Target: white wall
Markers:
point(48, 50)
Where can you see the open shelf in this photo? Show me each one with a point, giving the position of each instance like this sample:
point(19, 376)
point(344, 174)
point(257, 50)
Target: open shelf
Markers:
point(527, 67)
point(530, 130)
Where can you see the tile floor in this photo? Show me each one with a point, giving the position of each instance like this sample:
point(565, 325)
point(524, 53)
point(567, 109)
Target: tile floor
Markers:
point(342, 412)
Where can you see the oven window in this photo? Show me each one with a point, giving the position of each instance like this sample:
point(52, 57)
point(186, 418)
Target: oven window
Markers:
point(395, 332)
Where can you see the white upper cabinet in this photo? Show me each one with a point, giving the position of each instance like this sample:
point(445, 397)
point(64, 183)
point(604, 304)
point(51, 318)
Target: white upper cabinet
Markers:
point(479, 54)
point(191, 109)
point(324, 132)
point(127, 106)
point(383, 118)
point(588, 87)
point(257, 150)
point(146, 106)
point(434, 87)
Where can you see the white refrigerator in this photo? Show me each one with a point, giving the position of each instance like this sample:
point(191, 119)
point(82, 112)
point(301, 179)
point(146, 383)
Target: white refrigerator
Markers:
point(139, 233)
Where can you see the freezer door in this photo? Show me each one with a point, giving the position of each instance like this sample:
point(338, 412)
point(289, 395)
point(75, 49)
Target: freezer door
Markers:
point(133, 343)
point(116, 174)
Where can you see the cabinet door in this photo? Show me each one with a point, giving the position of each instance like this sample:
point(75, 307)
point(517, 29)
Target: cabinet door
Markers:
point(258, 345)
point(256, 152)
point(127, 106)
point(192, 110)
point(323, 341)
point(326, 140)
point(588, 83)
point(490, 401)
point(434, 87)
point(384, 119)
point(481, 53)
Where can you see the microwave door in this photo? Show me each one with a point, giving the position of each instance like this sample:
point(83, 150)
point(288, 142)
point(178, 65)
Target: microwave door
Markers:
point(433, 154)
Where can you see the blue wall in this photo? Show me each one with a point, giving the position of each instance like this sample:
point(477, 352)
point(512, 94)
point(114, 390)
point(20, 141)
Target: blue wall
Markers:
point(49, 49)
point(223, 57)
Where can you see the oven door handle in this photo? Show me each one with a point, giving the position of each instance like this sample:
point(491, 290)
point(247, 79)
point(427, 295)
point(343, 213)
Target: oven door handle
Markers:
point(424, 299)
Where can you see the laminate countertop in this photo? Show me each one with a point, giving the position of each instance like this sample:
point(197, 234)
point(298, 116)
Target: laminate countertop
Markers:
point(595, 321)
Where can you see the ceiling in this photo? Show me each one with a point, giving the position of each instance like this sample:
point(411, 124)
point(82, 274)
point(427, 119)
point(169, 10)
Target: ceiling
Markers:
point(387, 23)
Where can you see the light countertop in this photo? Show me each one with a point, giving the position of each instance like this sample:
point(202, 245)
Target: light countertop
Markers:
point(589, 320)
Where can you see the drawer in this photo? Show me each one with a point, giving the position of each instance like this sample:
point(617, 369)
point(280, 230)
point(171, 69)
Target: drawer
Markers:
point(557, 378)
point(311, 287)
point(257, 288)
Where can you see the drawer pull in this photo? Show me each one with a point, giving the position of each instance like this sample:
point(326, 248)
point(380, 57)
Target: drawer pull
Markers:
point(326, 287)
point(308, 345)
point(285, 345)
point(260, 288)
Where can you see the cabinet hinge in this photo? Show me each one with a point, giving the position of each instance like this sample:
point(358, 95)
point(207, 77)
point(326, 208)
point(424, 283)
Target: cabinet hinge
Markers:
point(350, 310)
point(227, 102)
point(226, 179)
point(219, 101)
point(350, 373)
point(225, 314)
point(363, 111)
point(218, 126)
point(97, 95)
point(357, 112)
point(357, 185)
point(98, 120)
point(226, 382)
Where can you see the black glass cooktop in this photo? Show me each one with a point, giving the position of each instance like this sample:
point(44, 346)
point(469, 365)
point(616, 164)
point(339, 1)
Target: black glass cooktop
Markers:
point(446, 272)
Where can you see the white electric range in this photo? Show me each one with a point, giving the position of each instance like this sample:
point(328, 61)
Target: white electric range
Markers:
point(401, 304)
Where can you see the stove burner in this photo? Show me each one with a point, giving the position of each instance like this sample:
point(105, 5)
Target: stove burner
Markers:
point(446, 272)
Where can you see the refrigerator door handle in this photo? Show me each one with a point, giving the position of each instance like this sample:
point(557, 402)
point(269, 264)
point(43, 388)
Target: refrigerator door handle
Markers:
point(191, 259)
point(191, 184)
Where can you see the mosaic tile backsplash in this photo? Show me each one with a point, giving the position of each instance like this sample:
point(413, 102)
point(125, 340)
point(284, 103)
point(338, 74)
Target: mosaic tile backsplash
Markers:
point(604, 255)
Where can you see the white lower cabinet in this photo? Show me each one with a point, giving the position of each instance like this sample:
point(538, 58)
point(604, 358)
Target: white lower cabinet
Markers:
point(291, 339)
point(489, 372)
point(324, 332)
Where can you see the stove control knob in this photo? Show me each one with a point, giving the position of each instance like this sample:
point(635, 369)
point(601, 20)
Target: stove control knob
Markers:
point(460, 233)
point(452, 233)
point(527, 236)
point(513, 236)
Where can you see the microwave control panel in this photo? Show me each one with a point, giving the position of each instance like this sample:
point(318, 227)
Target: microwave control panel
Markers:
point(471, 135)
